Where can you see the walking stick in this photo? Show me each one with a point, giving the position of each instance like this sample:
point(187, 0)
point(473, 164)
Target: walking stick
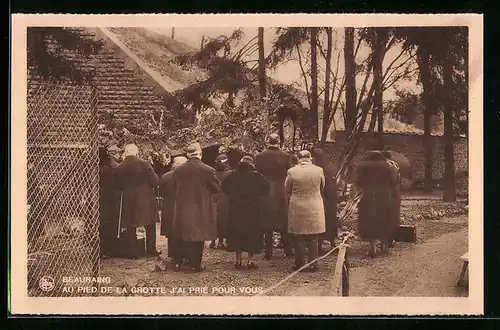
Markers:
point(120, 215)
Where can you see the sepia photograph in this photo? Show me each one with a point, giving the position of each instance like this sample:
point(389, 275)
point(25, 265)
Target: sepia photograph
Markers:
point(289, 161)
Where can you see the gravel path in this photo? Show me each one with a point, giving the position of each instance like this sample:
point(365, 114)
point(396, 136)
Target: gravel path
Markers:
point(409, 269)
point(426, 270)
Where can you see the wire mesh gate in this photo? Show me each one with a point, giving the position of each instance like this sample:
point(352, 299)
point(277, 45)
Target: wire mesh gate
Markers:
point(63, 188)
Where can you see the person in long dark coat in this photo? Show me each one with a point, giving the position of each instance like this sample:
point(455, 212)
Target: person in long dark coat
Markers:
point(329, 197)
point(274, 163)
point(396, 185)
point(222, 170)
point(108, 206)
point(167, 192)
point(196, 189)
point(244, 188)
point(375, 216)
point(137, 182)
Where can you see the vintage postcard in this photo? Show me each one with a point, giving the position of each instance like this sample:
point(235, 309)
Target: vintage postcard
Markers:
point(247, 164)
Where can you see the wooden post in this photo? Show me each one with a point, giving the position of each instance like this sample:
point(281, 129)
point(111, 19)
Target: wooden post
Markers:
point(202, 42)
point(173, 33)
point(345, 275)
point(340, 276)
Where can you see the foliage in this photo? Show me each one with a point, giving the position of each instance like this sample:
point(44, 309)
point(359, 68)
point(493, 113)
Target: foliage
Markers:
point(406, 107)
point(287, 39)
point(226, 70)
point(48, 49)
point(439, 43)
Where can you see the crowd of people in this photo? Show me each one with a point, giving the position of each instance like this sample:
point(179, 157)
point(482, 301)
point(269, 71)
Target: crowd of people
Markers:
point(239, 207)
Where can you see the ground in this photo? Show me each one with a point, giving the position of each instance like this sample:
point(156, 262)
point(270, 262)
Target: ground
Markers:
point(428, 268)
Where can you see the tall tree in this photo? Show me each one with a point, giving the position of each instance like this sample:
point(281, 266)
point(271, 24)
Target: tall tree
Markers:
point(262, 64)
point(314, 82)
point(424, 40)
point(327, 106)
point(449, 193)
point(350, 79)
point(427, 79)
point(378, 40)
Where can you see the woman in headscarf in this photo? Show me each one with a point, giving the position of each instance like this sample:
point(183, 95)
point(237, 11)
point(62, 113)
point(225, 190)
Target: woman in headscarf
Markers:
point(244, 188)
point(329, 197)
point(222, 170)
point(375, 216)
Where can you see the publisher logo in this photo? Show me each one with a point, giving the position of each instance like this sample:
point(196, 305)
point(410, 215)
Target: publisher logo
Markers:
point(46, 283)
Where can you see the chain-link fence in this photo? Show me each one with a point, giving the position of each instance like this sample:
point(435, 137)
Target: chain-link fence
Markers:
point(63, 189)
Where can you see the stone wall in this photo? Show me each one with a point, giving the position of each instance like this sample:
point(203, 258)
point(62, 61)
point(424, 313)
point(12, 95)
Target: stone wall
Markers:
point(411, 146)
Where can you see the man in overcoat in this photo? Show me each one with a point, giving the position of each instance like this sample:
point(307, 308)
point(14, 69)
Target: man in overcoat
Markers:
point(304, 185)
point(195, 214)
point(167, 192)
point(274, 163)
point(137, 182)
point(108, 206)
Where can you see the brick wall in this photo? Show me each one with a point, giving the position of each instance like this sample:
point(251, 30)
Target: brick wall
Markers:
point(121, 91)
point(412, 147)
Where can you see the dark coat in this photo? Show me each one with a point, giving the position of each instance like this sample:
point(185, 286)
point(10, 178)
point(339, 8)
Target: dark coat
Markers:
point(222, 171)
point(274, 164)
point(329, 192)
point(376, 215)
point(108, 202)
point(167, 192)
point(196, 189)
point(244, 188)
point(137, 180)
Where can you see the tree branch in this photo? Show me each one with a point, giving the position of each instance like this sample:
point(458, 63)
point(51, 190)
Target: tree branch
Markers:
point(246, 45)
point(304, 75)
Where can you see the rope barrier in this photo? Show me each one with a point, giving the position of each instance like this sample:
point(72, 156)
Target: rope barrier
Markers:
point(273, 287)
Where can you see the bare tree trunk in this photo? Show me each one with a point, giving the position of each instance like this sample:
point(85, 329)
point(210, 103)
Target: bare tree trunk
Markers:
point(373, 120)
point(350, 76)
point(430, 106)
point(262, 64)
point(327, 105)
point(202, 42)
point(380, 42)
point(449, 194)
point(173, 33)
point(314, 83)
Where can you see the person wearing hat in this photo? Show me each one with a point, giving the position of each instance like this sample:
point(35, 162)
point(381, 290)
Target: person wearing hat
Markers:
point(304, 186)
point(222, 170)
point(244, 188)
point(196, 188)
point(274, 163)
point(137, 182)
point(167, 192)
point(115, 155)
